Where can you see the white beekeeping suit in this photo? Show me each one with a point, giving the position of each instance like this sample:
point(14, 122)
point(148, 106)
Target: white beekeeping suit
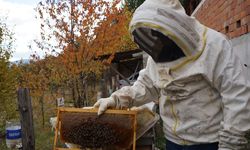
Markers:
point(203, 95)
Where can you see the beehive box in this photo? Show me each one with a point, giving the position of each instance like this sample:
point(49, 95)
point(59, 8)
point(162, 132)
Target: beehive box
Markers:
point(115, 129)
point(146, 119)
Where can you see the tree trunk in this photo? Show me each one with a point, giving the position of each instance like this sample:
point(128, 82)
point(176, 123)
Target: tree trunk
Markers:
point(86, 94)
point(74, 96)
point(53, 97)
point(41, 101)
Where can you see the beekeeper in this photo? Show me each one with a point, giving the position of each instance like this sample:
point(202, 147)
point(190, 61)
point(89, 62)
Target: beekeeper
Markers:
point(201, 85)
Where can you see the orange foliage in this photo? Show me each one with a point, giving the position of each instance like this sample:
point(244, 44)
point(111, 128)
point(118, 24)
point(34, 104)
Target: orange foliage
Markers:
point(85, 30)
point(82, 31)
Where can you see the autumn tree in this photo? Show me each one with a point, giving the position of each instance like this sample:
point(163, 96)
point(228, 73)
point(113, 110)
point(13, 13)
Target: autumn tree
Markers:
point(7, 75)
point(83, 30)
point(43, 77)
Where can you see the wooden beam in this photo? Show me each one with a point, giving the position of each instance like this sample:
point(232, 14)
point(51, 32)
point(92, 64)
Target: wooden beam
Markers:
point(95, 110)
point(26, 118)
point(123, 77)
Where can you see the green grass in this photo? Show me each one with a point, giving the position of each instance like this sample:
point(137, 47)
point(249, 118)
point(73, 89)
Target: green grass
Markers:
point(44, 138)
point(2, 144)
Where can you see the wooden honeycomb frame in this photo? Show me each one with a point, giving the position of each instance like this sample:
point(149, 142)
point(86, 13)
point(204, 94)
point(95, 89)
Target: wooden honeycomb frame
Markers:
point(93, 110)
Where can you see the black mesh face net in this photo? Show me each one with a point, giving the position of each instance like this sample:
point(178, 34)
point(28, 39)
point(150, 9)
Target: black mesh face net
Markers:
point(157, 45)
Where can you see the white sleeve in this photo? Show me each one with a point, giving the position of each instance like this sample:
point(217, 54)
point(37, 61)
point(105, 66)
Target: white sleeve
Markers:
point(230, 79)
point(141, 92)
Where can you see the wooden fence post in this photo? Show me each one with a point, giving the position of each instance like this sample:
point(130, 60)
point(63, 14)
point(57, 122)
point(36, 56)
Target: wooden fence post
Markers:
point(26, 117)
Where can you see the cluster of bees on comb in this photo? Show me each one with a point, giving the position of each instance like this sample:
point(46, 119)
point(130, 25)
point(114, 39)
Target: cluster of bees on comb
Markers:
point(91, 134)
point(90, 131)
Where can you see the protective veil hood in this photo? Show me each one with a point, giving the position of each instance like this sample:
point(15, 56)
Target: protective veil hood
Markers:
point(169, 18)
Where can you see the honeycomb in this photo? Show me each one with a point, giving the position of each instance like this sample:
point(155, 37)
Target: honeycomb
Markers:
point(108, 131)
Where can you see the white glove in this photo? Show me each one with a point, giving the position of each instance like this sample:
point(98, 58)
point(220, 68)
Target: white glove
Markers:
point(140, 108)
point(104, 104)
